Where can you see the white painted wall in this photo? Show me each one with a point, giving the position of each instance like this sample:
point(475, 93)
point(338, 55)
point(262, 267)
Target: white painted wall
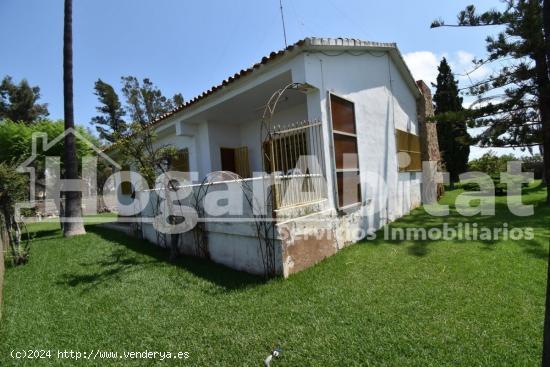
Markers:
point(232, 236)
point(383, 102)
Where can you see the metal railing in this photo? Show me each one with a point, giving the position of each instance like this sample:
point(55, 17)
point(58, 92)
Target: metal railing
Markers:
point(294, 155)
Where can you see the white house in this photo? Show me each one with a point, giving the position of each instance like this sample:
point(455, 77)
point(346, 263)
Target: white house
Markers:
point(328, 98)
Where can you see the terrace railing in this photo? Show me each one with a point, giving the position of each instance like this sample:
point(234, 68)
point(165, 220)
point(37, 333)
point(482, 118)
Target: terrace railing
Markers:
point(294, 155)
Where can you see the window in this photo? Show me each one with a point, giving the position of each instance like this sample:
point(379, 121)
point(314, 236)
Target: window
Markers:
point(283, 153)
point(242, 165)
point(235, 160)
point(346, 161)
point(180, 162)
point(408, 151)
point(126, 187)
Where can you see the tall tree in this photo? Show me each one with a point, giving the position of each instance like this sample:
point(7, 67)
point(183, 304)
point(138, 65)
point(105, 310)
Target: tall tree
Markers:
point(178, 99)
point(110, 124)
point(452, 134)
point(145, 102)
point(18, 102)
point(514, 103)
point(73, 210)
point(546, 21)
point(546, 336)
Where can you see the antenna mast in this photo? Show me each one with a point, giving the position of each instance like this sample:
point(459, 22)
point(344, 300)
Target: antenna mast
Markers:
point(283, 20)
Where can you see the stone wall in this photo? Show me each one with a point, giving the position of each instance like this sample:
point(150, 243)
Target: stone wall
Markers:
point(431, 191)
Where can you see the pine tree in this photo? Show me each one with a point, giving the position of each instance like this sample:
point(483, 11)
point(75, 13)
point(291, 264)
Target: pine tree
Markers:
point(18, 102)
point(546, 334)
point(514, 102)
point(178, 100)
point(144, 101)
point(451, 131)
point(110, 124)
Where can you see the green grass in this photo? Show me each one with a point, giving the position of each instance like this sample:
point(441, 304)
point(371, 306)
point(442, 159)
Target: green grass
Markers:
point(378, 303)
point(88, 219)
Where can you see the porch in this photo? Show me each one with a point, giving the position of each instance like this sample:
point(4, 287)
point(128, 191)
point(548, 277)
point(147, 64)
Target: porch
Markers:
point(263, 131)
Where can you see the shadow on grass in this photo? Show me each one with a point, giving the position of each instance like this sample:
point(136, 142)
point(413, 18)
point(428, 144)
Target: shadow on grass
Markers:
point(123, 261)
point(45, 234)
point(419, 219)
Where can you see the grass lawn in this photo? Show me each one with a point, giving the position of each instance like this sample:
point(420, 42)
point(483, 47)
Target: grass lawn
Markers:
point(378, 303)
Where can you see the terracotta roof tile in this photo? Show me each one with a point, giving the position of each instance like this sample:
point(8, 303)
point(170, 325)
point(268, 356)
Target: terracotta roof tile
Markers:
point(311, 42)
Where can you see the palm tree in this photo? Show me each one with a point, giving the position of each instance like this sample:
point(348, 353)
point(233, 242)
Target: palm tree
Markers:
point(72, 208)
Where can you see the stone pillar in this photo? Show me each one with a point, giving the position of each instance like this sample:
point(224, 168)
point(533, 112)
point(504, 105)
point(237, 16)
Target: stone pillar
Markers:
point(431, 158)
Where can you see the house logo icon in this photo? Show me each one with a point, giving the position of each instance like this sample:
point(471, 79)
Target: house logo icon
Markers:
point(28, 166)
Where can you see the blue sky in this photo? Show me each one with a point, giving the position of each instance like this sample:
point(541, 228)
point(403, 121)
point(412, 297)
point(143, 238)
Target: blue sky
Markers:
point(188, 46)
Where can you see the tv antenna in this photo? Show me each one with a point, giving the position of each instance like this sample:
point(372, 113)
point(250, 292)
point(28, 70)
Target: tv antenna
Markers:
point(283, 21)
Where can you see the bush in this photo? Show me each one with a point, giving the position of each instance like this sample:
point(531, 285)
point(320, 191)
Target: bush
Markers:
point(470, 186)
point(13, 188)
point(490, 163)
point(500, 187)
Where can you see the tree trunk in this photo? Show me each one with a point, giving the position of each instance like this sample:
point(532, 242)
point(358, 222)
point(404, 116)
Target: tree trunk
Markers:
point(541, 150)
point(545, 117)
point(546, 22)
point(544, 100)
point(73, 210)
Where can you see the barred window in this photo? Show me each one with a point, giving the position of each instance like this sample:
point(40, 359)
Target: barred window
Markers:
point(283, 153)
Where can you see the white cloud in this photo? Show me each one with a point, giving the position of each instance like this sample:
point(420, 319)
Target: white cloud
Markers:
point(464, 58)
point(463, 64)
point(423, 65)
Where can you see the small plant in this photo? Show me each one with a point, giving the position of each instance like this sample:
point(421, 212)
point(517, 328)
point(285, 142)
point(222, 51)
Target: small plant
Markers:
point(13, 188)
point(19, 248)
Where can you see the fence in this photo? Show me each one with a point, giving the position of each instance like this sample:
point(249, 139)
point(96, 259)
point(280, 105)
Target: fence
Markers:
point(295, 156)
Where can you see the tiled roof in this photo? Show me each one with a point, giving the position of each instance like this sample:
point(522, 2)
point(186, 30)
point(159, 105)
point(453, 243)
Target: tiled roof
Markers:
point(306, 43)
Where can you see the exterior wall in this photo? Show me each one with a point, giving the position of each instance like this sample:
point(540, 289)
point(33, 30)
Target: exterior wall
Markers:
point(232, 237)
point(309, 239)
point(223, 136)
point(383, 102)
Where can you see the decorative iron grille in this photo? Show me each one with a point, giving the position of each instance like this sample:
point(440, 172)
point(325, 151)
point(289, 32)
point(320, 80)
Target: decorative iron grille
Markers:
point(294, 156)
